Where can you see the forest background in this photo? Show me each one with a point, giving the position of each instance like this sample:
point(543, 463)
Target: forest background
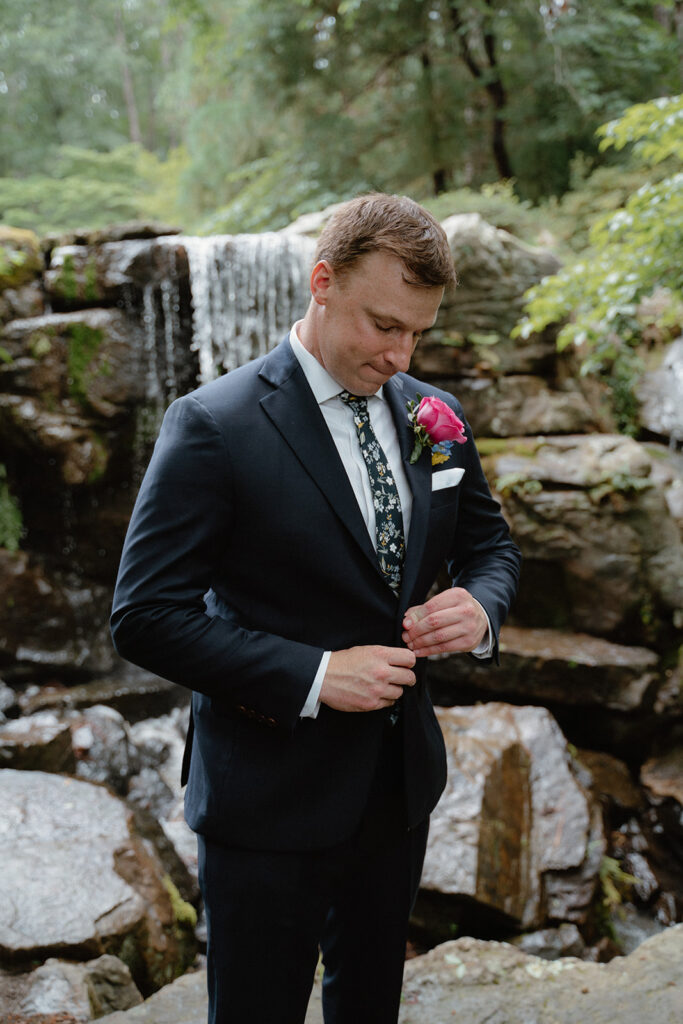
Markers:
point(226, 116)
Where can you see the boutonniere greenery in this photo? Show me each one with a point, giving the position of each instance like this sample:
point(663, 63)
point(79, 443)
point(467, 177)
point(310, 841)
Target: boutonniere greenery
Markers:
point(435, 426)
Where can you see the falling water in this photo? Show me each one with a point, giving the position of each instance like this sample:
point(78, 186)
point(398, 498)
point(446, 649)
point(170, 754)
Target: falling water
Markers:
point(247, 290)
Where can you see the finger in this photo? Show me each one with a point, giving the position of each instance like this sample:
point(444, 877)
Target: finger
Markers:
point(459, 645)
point(405, 678)
point(399, 657)
point(434, 622)
point(455, 631)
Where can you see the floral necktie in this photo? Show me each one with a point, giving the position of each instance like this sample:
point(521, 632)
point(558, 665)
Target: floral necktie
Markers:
point(385, 499)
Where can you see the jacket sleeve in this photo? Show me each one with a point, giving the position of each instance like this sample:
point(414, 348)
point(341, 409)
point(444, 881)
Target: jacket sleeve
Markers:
point(174, 541)
point(485, 560)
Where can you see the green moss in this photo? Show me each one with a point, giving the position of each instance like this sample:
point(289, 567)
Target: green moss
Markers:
point(11, 523)
point(92, 292)
point(20, 257)
point(66, 282)
point(39, 344)
point(183, 912)
point(501, 445)
point(84, 343)
point(100, 459)
point(485, 339)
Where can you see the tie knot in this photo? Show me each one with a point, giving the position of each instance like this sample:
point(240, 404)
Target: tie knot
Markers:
point(359, 405)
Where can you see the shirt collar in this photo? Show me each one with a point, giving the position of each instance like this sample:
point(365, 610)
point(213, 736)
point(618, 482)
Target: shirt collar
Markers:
point(319, 380)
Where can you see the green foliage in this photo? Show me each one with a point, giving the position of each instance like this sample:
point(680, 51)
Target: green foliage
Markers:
point(84, 344)
point(498, 204)
point(634, 251)
point(92, 189)
point(246, 114)
point(11, 525)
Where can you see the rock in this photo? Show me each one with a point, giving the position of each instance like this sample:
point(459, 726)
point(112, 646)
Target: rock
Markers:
point(85, 991)
point(660, 391)
point(148, 791)
point(91, 358)
point(494, 271)
point(103, 747)
point(521, 404)
point(667, 474)
point(94, 887)
point(39, 626)
point(491, 983)
point(112, 233)
point(38, 743)
point(602, 553)
point(136, 694)
point(611, 780)
point(552, 943)
point(8, 698)
point(495, 983)
point(64, 437)
point(444, 353)
point(26, 301)
point(547, 665)
point(24, 260)
point(632, 927)
point(513, 832)
point(662, 775)
point(183, 1002)
point(99, 274)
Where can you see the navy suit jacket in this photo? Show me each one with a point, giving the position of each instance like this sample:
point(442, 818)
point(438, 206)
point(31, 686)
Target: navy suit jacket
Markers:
point(246, 558)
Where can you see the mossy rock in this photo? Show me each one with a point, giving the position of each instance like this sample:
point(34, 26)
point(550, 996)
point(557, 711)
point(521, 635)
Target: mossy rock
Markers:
point(20, 257)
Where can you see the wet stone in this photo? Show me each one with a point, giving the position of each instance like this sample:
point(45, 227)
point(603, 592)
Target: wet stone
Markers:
point(525, 832)
point(38, 743)
point(555, 666)
point(94, 887)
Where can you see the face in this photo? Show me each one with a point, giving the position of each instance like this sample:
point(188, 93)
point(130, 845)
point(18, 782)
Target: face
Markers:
point(363, 325)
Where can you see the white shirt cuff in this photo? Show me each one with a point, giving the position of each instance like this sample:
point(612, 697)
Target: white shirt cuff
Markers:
point(312, 705)
point(485, 648)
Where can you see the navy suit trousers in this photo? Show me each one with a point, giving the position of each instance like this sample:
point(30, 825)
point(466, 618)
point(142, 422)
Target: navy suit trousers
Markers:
point(269, 913)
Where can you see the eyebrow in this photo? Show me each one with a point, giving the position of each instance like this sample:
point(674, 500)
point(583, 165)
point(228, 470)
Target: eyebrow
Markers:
point(392, 321)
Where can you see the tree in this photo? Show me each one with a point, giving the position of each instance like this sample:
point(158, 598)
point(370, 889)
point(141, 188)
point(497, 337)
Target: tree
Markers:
point(634, 251)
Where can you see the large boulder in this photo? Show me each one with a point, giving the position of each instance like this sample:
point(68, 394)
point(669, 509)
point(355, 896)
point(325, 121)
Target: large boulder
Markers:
point(48, 626)
point(660, 391)
point(522, 404)
point(491, 983)
point(38, 743)
point(479, 982)
point(91, 358)
point(494, 270)
point(515, 838)
point(549, 666)
point(94, 887)
point(602, 553)
point(83, 991)
point(99, 272)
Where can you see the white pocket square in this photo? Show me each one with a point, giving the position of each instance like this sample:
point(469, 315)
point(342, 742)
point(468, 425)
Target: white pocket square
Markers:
point(446, 478)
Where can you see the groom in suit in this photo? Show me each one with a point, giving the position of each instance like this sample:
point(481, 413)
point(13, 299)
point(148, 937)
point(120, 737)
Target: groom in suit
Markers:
point(278, 563)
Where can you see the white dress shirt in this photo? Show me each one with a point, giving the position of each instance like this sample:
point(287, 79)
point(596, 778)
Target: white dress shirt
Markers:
point(339, 420)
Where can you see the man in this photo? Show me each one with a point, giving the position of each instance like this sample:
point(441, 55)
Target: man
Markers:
point(277, 563)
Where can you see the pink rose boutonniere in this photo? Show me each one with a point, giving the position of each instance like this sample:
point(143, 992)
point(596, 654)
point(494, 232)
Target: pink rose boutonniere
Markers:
point(435, 426)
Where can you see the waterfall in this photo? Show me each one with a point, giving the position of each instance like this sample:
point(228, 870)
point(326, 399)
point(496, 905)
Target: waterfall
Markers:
point(247, 290)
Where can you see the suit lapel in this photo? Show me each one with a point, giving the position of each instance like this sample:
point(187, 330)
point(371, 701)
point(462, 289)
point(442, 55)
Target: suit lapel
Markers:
point(420, 479)
point(296, 414)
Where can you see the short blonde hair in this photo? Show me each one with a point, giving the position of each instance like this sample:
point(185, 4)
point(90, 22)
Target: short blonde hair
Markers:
point(387, 223)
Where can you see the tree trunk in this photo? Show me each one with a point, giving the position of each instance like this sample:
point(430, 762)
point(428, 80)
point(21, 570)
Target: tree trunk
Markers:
point(491, 82)
point(128, 90)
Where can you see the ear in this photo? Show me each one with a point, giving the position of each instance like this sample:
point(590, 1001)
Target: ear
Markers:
point(322, 277)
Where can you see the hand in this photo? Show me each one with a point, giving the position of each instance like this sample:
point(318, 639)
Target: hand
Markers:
point(451, 621)
point(367, 678)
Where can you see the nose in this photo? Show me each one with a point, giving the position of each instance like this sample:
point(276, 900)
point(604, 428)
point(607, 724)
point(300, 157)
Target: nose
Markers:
point(401, 352)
